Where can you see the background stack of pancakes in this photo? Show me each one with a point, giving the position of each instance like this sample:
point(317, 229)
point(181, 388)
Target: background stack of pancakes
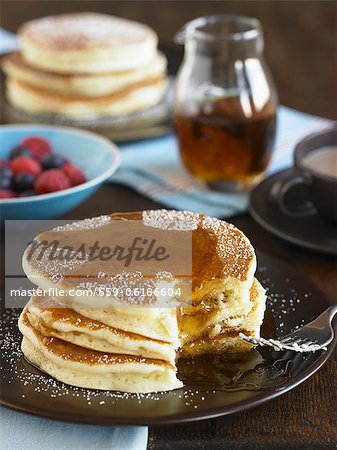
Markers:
point(85, 65)
point(134, 349)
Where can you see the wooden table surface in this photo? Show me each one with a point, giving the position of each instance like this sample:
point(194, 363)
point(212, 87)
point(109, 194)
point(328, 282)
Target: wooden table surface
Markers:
point(304, 418)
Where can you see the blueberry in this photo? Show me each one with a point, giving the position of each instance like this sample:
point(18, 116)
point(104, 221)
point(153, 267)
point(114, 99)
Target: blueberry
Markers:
point(5, 183)
point(52, 162)
point(5, 172)
point(23, 181)
point(19, 151)
point(28, 193)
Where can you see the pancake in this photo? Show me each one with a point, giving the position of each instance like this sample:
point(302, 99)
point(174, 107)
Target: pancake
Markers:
point(154, 323)
point(195, 321)
point(80, 367)
point(82, 84)
point(86, 43)
point(58, 321)
point(216, 334)
point(223, 259)
point(164, 322)
point(134, 343)
point(142, 95)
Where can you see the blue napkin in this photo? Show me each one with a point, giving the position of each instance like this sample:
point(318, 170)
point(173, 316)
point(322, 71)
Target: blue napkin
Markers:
point(153, 168)
point(8, 42)
point(29, 432)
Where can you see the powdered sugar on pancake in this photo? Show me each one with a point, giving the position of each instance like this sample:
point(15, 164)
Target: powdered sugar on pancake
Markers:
point(230, 245)
point(85, 224)
point(81, 31)
point(171, 220)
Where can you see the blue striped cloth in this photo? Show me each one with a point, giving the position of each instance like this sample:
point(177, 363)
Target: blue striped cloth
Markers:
point(153, 168)
point(20, 431)
point(8, 42)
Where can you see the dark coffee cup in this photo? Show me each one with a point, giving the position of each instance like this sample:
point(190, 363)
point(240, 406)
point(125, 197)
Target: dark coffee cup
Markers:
point(321, 187)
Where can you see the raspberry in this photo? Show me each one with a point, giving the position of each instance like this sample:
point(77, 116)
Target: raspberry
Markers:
point(74, 174)
point(7, 193)
point(22, 164)
point(50, 181)
point(38, 146)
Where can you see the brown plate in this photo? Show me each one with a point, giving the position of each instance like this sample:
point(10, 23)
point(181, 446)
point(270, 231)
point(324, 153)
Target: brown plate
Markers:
point(214, 385)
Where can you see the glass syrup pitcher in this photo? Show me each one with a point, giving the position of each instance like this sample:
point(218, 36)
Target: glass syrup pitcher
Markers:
point(225, 102)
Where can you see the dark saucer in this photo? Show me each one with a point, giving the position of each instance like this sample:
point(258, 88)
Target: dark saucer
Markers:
point(312, 232)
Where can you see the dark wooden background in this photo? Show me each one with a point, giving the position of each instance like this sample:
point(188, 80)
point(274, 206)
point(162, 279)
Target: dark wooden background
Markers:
point(301, 44)
point(300, 36)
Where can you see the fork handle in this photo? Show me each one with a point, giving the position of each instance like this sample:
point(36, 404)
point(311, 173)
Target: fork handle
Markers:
point(328, 314)
point(332, 311)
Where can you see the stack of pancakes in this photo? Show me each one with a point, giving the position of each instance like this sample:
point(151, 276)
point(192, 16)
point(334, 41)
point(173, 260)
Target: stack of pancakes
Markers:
point(134, 349)
point(85, 65)
point(84, 352)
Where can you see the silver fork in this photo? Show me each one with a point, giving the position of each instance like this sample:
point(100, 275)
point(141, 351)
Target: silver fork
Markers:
point(314, 336)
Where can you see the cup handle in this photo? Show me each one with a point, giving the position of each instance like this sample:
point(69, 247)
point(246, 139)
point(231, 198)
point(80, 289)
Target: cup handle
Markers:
point(180, 36)
point(303, 209)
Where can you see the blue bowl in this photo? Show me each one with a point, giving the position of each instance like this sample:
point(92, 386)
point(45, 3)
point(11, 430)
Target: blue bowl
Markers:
point(96, 156)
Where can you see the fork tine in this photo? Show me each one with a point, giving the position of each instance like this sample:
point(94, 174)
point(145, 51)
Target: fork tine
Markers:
point(298, 345)
point(308, 341)
point(308, 346)
point(294, 341)
point(291, 338)
point(298, 341)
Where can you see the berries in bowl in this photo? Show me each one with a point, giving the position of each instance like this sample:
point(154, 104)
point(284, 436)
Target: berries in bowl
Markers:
point(45, 171)
point(33, 169)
